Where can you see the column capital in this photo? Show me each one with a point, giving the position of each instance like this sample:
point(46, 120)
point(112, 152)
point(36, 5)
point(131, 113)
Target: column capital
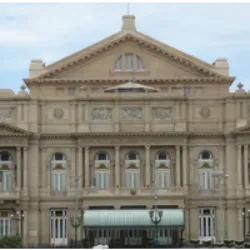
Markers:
point(147, 147)
point(117, 147)
point(86, 148)
point(18, 149)
point(25, 149)
point(177, 147)
point(246, 146)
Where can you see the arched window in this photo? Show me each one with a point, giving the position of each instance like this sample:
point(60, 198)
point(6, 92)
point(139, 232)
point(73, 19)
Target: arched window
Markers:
point(129, 62)
point(59, 172)
point(6, 171)
point(102, 171)
point(206, 169)
point(162, 170)
point(132, 170)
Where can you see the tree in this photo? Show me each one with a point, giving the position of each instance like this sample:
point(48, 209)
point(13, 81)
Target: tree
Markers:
point(11, 243)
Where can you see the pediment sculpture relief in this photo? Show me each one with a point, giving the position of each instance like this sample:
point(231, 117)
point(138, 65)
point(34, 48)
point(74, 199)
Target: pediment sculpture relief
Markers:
point(162, 113)
point(102, 114)
point(131, 113)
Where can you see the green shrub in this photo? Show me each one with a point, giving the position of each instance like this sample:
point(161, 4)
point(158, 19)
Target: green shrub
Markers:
point(14, 241)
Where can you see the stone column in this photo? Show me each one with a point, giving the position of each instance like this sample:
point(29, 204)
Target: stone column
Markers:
point(117, 167)
point(187, 226)
point(25, 228)
point(79, 166)
point(86, 167)
point(246, 166)
point(221, 158)
point(25, 168)
point(239, 166)
point(73, 116)
point(44, 226)
point(178, 168)
point(240, 224)
point(194, 223)
point(18, 168)
point(43, 170)
point(73, 167)
point(184, 166)
point(147, 166)
point(247, 214)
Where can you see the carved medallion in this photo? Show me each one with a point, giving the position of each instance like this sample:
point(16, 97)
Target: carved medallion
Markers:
point(162, 113)
point(205, 112)
point(6, 113)
point(131, 113)
point(102, 114)
point(58, 113)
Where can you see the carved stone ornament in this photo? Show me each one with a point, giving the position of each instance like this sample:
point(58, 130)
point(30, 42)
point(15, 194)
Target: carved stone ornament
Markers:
point(205, 112)
point(58, 113)
point(162, 113)
point(102, 114)
point(6, 113)
point(131, 113)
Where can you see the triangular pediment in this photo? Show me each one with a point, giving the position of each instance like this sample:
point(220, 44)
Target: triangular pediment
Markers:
point(101, 57)
point(242, 130)
point(11, 130)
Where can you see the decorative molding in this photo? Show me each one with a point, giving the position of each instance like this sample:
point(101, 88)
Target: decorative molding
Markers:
point(7, 113)
point(131, 113)
point(162, 113)
point(58, 113)
point(101, 114)
point(205, 112)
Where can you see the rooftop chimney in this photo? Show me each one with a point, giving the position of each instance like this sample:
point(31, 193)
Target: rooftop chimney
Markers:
point(128, 23)
point(221, 66)
point(36, 68)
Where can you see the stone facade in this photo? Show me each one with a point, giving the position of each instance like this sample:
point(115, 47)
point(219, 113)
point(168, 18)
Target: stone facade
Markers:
point(68, 111)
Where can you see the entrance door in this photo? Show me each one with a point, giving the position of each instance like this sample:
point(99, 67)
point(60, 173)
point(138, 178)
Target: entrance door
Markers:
point(59, 227)
point(102, 237)
point(133, 237)
point(165, 237)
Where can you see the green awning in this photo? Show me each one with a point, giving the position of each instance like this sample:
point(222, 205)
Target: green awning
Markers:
point(131, 218)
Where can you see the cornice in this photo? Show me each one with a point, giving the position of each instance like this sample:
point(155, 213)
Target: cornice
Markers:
point(97, 81)
point(197, 67)
point(14, 131)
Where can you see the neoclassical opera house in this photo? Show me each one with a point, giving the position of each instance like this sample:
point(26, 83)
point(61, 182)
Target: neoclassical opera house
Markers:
point(126, 125)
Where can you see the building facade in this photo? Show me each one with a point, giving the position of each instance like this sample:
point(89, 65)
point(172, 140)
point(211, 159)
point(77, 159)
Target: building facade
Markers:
point(131, 118)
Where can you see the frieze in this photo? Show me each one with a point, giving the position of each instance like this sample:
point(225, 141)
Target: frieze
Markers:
point(7, 113)
point(101, 114)
point(131, 113)
point(12, 142)
point(162, 113)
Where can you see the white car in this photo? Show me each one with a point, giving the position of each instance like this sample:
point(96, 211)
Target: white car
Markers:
point(101, 247)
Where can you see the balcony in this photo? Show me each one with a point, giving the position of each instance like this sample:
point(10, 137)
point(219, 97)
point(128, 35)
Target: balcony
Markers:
point(129, 163)
point(126, 192)
point(10, 194)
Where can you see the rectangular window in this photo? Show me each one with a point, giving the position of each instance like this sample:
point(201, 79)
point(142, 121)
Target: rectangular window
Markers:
point(71, 91)
point(6, 181)
point(206, 180)
point(59, 182)
point(129, 62)
point(162, 179)
point(187, 90)
point(6, 227)
point(102, 179)
point(132, 178)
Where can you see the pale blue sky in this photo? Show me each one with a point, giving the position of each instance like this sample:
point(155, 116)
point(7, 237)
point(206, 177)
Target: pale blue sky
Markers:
point(53, 31)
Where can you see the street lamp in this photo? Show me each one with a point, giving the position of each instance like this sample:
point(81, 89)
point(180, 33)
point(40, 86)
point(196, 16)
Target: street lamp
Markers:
point(76, 220)
point(156, 216)
point(220, 175)
point(17, 217)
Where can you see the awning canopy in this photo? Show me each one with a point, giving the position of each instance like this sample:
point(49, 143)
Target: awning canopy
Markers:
point(131, 218)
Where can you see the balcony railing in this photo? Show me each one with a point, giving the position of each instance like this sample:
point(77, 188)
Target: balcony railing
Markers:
point(12, 194)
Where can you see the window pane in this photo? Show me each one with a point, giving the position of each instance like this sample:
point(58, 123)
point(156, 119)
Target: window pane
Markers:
point(5, 157)
point(132, 156)
point(129, 62)
point(58, 157)
point(102, 156)
point(162, 156)
point(205, 155)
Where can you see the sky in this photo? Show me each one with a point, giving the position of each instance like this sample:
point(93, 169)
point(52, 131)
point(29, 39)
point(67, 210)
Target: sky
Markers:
point(53, 31)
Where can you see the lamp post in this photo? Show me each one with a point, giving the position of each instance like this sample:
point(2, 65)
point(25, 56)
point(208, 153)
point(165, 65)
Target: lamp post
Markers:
point(17, 217)
point(156, 216)
point(220, 175)
point(76, 220)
